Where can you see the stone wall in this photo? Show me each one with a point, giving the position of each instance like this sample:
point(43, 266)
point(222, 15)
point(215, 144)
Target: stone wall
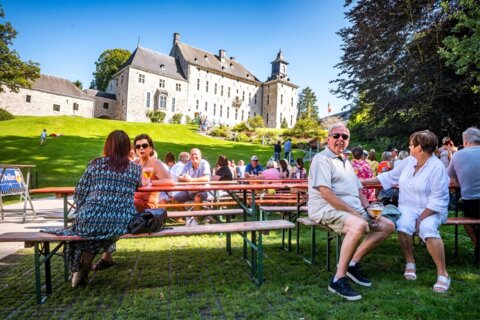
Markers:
point(42, 104)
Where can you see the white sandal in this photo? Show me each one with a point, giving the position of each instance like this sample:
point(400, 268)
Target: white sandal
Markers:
point(442, 285)
point(410, 275)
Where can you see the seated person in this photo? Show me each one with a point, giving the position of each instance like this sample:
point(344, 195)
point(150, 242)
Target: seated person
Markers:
point(254, 168)
point(222, 172)
point(271, 172)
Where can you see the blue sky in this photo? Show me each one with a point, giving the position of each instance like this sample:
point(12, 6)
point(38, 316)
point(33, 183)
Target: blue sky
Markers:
point(67, 37)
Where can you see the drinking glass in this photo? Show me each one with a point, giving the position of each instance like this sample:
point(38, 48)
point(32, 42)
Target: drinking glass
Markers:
point(147, 175)
point(376, 208)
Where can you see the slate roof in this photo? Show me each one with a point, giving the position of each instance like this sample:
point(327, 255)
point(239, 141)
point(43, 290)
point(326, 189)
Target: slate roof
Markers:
point(58, 86)
point(211, 61)
point(154, 62)
point(100, 94)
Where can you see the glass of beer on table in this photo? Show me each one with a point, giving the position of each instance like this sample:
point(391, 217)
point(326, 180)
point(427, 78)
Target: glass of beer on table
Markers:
point(147, 173)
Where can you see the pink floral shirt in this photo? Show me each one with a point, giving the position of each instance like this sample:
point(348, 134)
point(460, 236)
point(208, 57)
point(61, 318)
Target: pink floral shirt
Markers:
point(363, 171)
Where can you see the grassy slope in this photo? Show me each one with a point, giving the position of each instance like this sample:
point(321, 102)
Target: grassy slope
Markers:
point(62, 160)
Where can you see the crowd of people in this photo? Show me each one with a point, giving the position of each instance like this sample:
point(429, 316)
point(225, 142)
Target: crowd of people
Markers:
point(106, 196)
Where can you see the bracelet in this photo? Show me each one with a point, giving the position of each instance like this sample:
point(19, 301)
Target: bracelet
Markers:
point(367, 207)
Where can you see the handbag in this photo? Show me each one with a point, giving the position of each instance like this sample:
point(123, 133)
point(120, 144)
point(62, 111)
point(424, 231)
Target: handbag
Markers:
point(148, 221)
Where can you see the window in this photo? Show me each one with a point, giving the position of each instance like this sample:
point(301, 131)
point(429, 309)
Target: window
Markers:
point(214, 109)
point(173, 104)
point(56, 107)
point(281, 99)
point(147, 100)
point(280, 117)
point(221, 90)
point(105, 105)
point(206, 106)
point(29, 98)
point(215, 90)
point(255, 99)
point(196, 105)
point(254, 114)
point(267, 118)
point(228, 112)
point(121, 79)
point(242, 115)
point(206, 86)
point(228, 94)
point(291, 103)
point(141, 78)
point(75, 106)
point(163, 102)
point(221, 111)
point(198, 84)
point(243, 96)
point(236, 114)
point(161, 83)
point(249, 97)
point(178, 87)
point(291, 121)
point(268, 100)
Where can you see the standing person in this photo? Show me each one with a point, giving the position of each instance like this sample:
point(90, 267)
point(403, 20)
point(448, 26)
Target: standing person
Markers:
point(43, 137)
point(287, 148)
point(423, 202)
point(464, 170)
point(240, 169)
point(446, 151)
point(336, 200)
point(277, 150)
point(254, 168)
point(145, 148)
point(102, 212)
point(363, 171)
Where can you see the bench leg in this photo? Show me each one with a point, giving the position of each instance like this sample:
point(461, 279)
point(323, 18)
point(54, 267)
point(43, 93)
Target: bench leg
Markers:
point(456, 240)
point(229, 237)
point(260, 259)
point(48, 269)
point(313, 246)
point(298, 238)
point(38, 280)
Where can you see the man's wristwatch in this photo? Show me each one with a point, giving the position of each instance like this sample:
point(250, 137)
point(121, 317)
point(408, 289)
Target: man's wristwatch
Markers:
point(367, 207)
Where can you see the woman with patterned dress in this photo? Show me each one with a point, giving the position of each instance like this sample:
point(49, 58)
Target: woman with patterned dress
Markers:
point(363, 171)
point(104, 202)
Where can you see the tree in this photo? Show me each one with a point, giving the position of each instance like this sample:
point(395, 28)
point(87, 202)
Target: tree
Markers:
point(14, 73)
point(284, 124)
point(307, 104)
point(106, 66)
point(391, 56)
point(78, 84)
point(256, 122)
point(461, 49)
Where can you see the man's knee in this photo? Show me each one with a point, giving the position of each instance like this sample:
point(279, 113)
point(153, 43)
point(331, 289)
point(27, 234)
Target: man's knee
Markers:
point(355, 225)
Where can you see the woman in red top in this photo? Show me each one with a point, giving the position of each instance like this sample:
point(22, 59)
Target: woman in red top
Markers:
point(363, 171)
point(386, 163)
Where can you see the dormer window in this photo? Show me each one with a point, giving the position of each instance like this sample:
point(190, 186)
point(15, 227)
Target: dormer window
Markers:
point(196, 59)
point(248, 75)
point(231, 64)
point(205, 56)
point(223, 67)
point(162, 66)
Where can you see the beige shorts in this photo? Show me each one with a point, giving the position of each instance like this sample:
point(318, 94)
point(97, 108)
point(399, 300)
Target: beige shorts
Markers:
point(335, 219)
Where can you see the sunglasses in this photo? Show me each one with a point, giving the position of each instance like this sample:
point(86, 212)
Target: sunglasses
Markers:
point(338, 135)
point(144, 146)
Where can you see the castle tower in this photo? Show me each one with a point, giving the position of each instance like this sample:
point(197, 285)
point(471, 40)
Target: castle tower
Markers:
point(279, 67)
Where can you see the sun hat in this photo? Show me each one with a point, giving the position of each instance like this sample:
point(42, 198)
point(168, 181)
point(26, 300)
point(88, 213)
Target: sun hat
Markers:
point(253, 158)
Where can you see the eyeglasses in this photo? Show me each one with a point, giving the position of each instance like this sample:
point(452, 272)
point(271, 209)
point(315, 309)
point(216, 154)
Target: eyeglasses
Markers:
point(143, 145)
point(255, 160)
point(338, 135)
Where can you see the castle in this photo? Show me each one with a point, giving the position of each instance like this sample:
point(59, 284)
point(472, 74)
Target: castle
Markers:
point(189, 81)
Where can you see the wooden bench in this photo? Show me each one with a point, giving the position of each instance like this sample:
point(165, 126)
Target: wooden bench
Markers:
point(306, 221)
point(456, 221)
point(42, 253)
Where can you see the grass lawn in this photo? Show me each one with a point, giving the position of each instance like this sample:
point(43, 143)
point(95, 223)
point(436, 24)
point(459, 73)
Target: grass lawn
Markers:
point(194, 278)
point(63, 159)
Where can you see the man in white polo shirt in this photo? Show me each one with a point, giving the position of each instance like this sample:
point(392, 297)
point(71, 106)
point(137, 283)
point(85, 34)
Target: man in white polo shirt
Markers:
point(336, 200)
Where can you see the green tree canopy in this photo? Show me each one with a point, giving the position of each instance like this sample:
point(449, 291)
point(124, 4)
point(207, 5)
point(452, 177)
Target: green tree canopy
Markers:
point(256, 122)
point(307, 104)
point(106, 66)
point(14, 73)
point(78, 84)
point(391, 56)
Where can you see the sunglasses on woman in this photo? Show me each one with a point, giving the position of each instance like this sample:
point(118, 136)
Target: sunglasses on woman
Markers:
point(338, 135)
point(143, 145)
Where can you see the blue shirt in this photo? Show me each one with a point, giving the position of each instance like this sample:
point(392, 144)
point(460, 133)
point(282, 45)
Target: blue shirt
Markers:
point(288, 146)
point(251, 170)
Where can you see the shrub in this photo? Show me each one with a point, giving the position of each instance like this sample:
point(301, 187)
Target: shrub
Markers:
point(241, 127)
point(188, 119)
point(256, 122)
point(221, 131)
point(242, 137)
point(156, 116)
point(177, 118)
point(5, 115)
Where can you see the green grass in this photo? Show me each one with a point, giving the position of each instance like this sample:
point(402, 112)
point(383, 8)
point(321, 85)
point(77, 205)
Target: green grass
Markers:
point(194, 278)
point(63, 159)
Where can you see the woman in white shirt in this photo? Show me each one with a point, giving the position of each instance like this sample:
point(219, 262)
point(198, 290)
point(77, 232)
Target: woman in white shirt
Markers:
point(423, 202)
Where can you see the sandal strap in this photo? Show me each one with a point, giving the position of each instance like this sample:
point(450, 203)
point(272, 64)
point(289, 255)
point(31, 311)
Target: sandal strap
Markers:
point(443, 279)
point(411, 266)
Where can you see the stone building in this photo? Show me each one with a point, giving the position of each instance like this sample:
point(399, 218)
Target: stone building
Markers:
point(194, 82)
point(48, 96)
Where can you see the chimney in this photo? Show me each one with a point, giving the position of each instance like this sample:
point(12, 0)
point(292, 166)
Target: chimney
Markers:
point(176, 37)
point(221, 54)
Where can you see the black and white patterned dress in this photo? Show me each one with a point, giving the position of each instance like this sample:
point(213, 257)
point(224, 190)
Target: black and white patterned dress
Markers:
point(104, 202)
